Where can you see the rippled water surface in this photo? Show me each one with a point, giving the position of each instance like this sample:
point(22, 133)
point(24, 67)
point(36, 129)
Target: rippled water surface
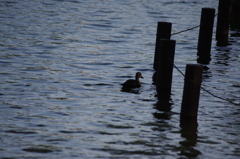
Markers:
point(62, 63)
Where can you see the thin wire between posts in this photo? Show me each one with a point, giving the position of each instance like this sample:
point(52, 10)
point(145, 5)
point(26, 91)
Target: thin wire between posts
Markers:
point(185, 30)
point(189, 28)
point(227, 100)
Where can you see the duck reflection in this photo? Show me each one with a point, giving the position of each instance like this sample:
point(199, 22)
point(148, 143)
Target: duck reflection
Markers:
point(130, 90)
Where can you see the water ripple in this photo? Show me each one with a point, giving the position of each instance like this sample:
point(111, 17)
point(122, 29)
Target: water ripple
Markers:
point(62, 63)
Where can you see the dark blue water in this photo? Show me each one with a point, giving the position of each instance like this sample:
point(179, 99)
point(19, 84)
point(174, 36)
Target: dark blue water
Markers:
point(62, 63)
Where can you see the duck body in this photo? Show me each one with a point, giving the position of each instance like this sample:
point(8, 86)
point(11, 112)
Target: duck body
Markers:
point(133, 83)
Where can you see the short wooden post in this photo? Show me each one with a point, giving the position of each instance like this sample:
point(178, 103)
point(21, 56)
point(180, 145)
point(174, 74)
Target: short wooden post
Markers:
point(165, 68)
point(205, 35)
point(235, 15)
point(223, 22)
point(191, 91)
point(163, 32)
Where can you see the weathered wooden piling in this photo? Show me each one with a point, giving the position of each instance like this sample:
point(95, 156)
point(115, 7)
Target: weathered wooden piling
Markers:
point(223, 22)
point(235, 15)
point(191, 92)
point(205, 35)
point(163, 32)
point(165, 68)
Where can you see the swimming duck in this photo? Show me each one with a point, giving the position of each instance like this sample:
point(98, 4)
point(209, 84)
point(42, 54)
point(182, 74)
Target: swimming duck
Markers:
point(133, 83)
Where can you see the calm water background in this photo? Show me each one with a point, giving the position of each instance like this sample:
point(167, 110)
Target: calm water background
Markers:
point(62, 63)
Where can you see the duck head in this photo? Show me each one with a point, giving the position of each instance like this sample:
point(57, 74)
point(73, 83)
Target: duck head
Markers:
point(138, 75)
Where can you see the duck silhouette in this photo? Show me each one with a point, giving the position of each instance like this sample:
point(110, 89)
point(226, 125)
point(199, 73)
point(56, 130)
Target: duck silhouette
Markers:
point(133, 83)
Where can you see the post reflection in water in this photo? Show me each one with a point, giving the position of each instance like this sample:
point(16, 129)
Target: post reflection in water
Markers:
point(189, 132)
point(188, 128)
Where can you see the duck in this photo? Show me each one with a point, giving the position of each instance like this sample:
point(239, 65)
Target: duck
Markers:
point(133, 83)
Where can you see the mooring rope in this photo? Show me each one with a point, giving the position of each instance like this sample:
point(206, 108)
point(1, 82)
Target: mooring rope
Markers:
point(185, 30)
point(227, 100)
point(189, 28)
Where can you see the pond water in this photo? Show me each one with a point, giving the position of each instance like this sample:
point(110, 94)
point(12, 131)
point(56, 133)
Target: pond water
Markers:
point(62, 63)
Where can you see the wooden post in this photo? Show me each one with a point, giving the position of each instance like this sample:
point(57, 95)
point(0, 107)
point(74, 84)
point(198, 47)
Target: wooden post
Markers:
point(205, 35)
point(191, 92)
point(223, 22)
point(165, 68)
point(163, 32)
point(235, 15)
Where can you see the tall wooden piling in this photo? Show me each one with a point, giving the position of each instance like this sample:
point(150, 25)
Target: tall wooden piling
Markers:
point(191, 92)
point(235, 15)
point(163, 32)
point(205, 35)
point(223, 22)
point(165, 68)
